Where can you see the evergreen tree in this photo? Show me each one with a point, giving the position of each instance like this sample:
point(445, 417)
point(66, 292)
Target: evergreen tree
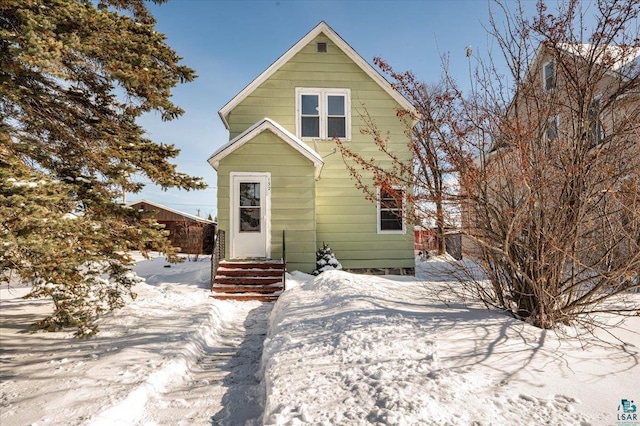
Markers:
point(326, 260)
point(74, 76)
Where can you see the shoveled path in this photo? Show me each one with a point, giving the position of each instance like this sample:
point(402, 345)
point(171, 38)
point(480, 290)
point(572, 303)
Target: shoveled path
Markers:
point(223, 388)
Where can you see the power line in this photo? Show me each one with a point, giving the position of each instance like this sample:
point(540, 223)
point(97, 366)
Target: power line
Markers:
point(151, 183)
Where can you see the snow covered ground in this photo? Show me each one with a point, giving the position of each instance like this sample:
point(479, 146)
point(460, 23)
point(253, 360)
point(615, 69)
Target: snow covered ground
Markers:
point(339, 349)
point(172, 357)
point(346, 349)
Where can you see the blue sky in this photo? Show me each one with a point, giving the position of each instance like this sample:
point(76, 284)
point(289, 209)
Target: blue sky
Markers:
point(229, 43)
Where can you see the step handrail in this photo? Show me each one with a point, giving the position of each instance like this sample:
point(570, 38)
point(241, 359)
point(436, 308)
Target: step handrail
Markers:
point(217, 254)
point(284, 260)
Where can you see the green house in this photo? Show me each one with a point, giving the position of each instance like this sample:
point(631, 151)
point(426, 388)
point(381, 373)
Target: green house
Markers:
point(281, 171)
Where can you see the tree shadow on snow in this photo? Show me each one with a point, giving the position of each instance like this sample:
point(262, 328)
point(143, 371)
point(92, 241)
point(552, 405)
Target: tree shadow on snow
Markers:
point(467, 337)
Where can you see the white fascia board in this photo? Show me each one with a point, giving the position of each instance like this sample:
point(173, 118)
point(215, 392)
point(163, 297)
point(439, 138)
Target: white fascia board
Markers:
point(325, 29)
point(255, 130)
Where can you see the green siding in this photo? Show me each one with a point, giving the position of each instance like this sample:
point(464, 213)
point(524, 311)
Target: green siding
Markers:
point(343, 217)
point(292, 195)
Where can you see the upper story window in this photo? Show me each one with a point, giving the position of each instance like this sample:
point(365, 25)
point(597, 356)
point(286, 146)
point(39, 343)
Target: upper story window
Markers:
point(323, 113)
point(549, 75)
point(391, 211)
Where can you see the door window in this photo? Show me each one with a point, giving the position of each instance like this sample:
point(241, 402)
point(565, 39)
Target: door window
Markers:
point(250, 208)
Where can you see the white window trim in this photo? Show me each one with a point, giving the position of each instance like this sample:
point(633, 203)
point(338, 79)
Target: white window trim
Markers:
point(544, 75)
point(403, 208)
point(233, 208)
point(323, 94)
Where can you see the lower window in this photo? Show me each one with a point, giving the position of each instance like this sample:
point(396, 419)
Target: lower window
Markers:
point(390, 211)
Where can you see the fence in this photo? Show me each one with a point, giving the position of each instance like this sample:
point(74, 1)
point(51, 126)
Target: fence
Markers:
point(427, 240)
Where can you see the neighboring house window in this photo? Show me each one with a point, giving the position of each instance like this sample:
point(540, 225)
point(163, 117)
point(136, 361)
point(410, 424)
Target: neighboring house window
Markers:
point(323, 113)
point(549, 75)
point(596, 131)
point(391, 211)
point(551, 131)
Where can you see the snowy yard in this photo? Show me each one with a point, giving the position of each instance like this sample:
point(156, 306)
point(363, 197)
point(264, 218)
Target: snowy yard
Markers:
point(339, 349)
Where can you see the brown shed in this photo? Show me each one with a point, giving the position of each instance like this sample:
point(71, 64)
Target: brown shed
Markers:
point(193, 234)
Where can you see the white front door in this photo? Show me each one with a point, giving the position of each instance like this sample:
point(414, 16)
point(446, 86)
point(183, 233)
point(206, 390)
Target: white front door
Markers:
point(250, 216)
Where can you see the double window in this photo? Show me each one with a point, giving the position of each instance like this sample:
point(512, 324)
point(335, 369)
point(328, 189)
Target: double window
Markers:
point(323, 113)
point(391, 211)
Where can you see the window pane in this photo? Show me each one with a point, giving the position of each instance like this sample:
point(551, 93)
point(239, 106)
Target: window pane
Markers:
point(594, 109)
point(249, 194)
point(595, 126)
point(549, 76)
point(552, 130)
point(336, 105)
point(395, 225)
point(310, 127)
point(388, 200)
point(597, 132)
point(336, 127)
point(310, 105)
point(249, 219)
point(390, 221)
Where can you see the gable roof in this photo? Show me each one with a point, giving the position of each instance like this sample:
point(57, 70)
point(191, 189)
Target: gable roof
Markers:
point(169, 209)
point(321, 28)
point(276, 129)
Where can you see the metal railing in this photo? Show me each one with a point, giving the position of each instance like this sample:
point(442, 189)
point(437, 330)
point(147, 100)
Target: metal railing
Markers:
point(217, 254)
point(284, 259)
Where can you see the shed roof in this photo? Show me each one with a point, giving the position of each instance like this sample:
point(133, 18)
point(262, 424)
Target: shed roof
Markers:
point(169, 209)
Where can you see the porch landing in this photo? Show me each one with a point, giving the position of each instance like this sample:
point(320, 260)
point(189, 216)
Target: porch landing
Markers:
point(248, 280)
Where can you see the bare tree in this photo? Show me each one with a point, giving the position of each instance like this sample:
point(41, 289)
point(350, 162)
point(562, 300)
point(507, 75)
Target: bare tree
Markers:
point(553, 206)
point(432, 130)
